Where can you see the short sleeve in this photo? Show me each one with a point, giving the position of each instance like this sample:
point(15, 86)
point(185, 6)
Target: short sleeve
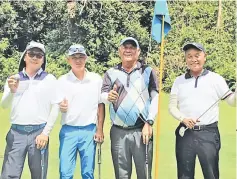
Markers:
point(222, 88)
point(153, 82)
point(100, 82)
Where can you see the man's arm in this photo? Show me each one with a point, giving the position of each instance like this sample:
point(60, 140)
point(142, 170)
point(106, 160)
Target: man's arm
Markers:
point(173, 108)
point(7, 98)
point(231, 99)
point(99, 136)
point(153, 109)
point(154, 105)
point(42, 139)
point(56, 99)
point(106, 87)
point(153, 92)
point(224, 92)
point(10, 88)
point(51, 119)
point(175, 112)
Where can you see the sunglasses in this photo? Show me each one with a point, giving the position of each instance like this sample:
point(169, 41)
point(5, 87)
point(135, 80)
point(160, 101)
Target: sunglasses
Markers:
point(37, 55)
point(76, 49)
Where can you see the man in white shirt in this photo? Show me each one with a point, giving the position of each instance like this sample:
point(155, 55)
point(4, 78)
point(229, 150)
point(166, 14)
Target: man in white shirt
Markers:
point(192, 100)
point(30, 96)
point(82, 109)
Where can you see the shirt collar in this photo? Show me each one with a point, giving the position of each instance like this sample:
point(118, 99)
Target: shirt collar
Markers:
point(74, 78)
point(188, 73)
point(37, 73)
point(137, 66)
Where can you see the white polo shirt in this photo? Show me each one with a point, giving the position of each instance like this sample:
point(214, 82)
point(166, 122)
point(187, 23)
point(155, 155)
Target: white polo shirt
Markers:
point(31, 104)
point(83, 98)
point(196, 95)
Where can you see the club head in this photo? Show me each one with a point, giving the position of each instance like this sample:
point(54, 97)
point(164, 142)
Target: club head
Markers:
point(182, 131)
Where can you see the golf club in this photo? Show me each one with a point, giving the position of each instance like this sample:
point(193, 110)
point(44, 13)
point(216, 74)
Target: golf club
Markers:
point(183, 129)
point(42, 151)
point(147, 169)
point(99, 159)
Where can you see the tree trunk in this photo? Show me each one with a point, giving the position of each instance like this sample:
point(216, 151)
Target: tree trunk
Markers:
point(71, 7)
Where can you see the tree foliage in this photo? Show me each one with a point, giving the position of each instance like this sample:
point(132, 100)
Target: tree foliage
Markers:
point(100, 25)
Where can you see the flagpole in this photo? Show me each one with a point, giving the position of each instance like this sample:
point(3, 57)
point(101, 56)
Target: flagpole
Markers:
point(159, 99)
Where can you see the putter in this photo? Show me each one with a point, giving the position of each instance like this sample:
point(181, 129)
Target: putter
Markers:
point(99, 159)
point(147, 169)
point(183, 129)
point(42, 151)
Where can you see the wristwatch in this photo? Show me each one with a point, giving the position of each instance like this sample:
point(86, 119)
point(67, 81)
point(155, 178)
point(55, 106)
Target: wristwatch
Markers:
point(150, 122)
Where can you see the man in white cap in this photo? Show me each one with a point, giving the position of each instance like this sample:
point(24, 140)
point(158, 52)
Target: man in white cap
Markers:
point(194, 101)
point(82, 110)
point(131, 89)
point(33, 112)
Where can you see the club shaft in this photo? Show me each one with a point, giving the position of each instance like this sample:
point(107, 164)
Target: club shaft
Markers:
point(147, 169)
point(99, 172)
point(215, 102)
point(42, 163)
point(99, 160)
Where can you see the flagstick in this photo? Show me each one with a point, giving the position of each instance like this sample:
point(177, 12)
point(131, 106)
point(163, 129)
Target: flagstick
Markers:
point(159, 104)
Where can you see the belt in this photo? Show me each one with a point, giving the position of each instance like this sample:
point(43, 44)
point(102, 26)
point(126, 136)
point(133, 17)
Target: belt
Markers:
point(202, 127)
point(27, 128)
point(129, 127)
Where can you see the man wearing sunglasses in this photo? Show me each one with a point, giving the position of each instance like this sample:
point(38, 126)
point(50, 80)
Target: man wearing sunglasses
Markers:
point(81, 110)
point(33, 113)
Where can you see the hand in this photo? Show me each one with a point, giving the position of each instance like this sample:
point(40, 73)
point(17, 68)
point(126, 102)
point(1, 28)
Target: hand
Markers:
point(13, 83)
point(113, 95)
point(64, 105)
point(41, 141)
point(190, 123)
point(146, 133)
point(99, 136)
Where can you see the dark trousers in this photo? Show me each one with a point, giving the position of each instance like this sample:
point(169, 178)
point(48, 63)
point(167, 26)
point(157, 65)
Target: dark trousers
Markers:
point(18, 145)
point(126, 144)
point(205, 144)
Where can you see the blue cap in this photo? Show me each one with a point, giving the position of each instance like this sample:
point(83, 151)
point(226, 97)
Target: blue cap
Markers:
point(132, 40)
point(77, 48)
point(194, 45)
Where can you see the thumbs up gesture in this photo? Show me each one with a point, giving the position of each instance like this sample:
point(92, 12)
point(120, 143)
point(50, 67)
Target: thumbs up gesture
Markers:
point(64, 105)
point(113, 95)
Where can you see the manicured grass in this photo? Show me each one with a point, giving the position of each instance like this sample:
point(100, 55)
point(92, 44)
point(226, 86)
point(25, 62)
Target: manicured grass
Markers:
point(167, 162)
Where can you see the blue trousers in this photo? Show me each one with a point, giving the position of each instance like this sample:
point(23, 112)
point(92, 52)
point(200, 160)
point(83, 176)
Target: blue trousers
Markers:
point(73, 139)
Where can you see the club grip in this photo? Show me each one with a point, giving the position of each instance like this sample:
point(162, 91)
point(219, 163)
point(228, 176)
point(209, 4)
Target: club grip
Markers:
point(146, 154)
point(99, 154)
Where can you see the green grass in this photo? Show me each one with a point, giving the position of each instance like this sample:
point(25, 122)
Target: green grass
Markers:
point(167, 162)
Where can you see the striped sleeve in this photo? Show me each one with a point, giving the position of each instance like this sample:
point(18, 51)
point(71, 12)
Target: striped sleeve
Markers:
point(106, 87)
point(153, 82)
